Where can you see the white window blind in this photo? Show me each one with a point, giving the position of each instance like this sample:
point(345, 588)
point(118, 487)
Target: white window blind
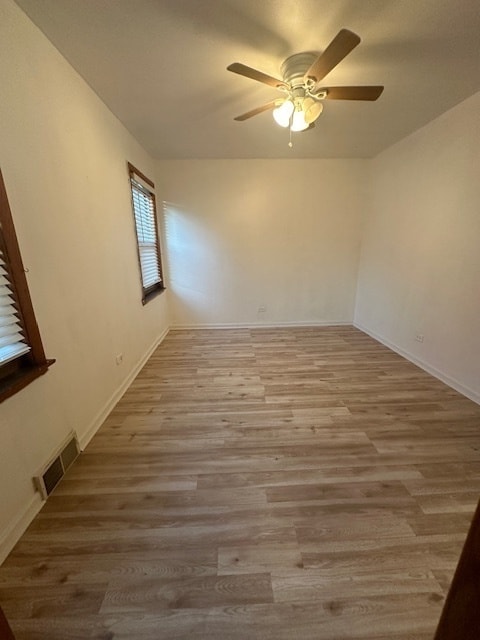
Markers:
point(148, 249)
point(12, 340)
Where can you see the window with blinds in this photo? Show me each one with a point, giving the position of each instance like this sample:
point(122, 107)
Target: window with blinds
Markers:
point(146, 227)
point(22, 358)
point(13, 343)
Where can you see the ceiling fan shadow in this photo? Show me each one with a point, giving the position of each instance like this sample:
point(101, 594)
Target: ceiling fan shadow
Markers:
point(227, 19)
point(225, 100)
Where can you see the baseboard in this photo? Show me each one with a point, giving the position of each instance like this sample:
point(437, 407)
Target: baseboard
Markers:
point(118, 393)
point(436, 373)
point(17, 528)
point(261, 325)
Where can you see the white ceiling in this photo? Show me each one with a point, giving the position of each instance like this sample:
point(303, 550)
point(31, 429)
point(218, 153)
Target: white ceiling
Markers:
point(160, 66)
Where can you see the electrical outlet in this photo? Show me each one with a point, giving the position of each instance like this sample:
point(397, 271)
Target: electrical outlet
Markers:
point(419, 337)
point(119, 358)
point(262, 309)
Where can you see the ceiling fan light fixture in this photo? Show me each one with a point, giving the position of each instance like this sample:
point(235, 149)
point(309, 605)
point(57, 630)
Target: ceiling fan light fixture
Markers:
point(283, 113)
point(302, 73)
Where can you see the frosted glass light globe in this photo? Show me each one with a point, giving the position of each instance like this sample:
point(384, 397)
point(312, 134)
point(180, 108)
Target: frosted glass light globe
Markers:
point(298, 122)
point(283, 113)
point(312, 109)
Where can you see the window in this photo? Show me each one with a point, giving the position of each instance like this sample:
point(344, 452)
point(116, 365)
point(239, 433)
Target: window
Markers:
point(146, 226)
point(22, 358)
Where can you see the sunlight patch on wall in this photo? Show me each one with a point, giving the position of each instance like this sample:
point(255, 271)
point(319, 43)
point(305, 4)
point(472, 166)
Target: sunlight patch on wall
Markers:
point(187, 258)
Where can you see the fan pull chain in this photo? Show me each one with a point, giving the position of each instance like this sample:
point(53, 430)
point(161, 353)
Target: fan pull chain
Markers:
point(290, 144)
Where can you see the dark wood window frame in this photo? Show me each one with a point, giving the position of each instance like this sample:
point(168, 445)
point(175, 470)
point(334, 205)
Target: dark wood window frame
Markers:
point(21, 371)
point(147, 188)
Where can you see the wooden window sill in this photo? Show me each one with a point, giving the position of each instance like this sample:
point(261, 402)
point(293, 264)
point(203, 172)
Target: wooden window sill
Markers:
point(152, 294)
point(23, 377)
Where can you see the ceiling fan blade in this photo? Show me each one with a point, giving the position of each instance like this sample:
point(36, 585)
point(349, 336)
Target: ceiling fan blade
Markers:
point(254, 112)
point(248, 72)
point(353, 93)
point(344, 42)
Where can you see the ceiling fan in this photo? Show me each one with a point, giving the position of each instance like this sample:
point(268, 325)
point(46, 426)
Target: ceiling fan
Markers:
point(302, 102)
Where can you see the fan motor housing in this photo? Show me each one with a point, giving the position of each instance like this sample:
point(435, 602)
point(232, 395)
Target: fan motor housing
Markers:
point(294, 67)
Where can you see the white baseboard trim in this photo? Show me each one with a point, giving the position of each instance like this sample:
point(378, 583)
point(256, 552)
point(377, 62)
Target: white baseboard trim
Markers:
point(436, 373)
point(261, 325)
point(17, 528)
point(101, 416)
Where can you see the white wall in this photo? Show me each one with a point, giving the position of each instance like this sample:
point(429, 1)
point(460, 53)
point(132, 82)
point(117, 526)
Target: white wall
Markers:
point(283, 234)
point(63, 156)
point(420, 263)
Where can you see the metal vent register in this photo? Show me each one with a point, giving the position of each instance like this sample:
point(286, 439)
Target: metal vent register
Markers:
point(48, 478)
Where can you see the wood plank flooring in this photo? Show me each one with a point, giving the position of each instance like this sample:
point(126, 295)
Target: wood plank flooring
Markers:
point(262, 484)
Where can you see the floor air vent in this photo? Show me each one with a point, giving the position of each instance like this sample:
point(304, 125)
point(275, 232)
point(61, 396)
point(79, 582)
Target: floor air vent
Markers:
point(53, 472)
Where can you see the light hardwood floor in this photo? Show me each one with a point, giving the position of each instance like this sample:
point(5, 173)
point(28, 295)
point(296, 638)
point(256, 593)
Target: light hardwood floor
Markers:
point(300, 483)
